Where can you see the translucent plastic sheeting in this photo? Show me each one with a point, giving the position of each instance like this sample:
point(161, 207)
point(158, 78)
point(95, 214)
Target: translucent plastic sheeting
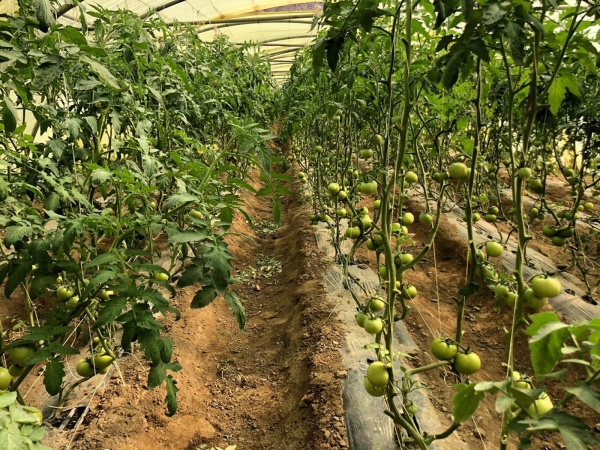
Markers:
point(280, 27)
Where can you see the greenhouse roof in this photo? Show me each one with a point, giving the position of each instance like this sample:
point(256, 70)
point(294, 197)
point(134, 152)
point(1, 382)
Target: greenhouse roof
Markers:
point(281, 27)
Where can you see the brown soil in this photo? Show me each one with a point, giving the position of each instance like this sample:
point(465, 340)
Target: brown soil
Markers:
point(438, 277)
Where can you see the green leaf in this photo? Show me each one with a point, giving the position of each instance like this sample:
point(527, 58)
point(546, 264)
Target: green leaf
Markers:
point(546, 345)
point(333, 47)
point(452, 70)
point(503, 403)
point(157, 375)
point(493, 13)
point(478, 47)
point(40, 284)
point(52, 202)
point(467, 8)
point(237, 307)
point(72, 35)
point(10, 115)
point(171, 398)
point(111, 309)
point(193, 274)
point(575, 433)
point(11, 439)
point(516, 41)
point(103, 259)
point(53, 376)
point(178, 199)
point(7, 398)
point(204, 297)
point(103, 73)
point(16, 277)
point(16, 234)
point(218, 259)
point(556, 94)
point(587, 394)
point(166, 349)
point(465, 402)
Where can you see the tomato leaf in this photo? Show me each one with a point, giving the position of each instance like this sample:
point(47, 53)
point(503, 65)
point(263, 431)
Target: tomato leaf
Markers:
point(16, 277)
point(503, 403)
point(157, 375)
point(204, 297)
point(101, 260)
point(187, 236)
point(111, 309)
point(53, 376)
point(237, 307)
point(171, 399)
point(166, 349)
point(546, 344)
point(218, 259)
point(465, 402)
point(193, 274)
point(40, 284)
point(277, 208)
point(587, 394)
point(576, 434)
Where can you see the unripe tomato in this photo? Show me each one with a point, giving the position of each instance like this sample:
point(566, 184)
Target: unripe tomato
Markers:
point(558, 241)
point(533, 300)
point(410, 407)
point(15, 370)
point(160, 276)
point(511, 299)
point(490, 217)
point(402, 259)
point(546, 287)
point(501, 290)
point(442, 350)
point(342, 195)
point(360, 318)
point(383, 272)
point(318, 148)
point(467, 363)
point(18, 355)
point(410, 292)
point(376, 304)
point(102, 361)
point(475, 217)
point(333, 188)
point(543, 405)
point(589, 206)
point(377, 139)
point(373, 326)
point(494, 210)
point(568, 173)
point(368, 188)
point(376, 204)
point(518, 382)
point(196, 214)
point(524, 173)
point(371, 245)
point(373, 390)
point(340, 212)
point(5, 378)
point(366, 154)
point(411, 177)
point(494, 249)
point(425, 218)
point(548, 231)
point(352, 232)
point(377, 374)
point(458, 171)
point(64, 293)
point(408, 219)
point(85, 369)
point(73, 301)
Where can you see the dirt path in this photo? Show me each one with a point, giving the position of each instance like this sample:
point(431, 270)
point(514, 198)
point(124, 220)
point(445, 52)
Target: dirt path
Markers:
point(275, 386)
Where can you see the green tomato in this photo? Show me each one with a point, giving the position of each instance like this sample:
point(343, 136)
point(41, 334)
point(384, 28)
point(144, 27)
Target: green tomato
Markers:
point(558, 241)
point(475, 217)
point(333, 188)
point(535, 185)
point(374, 390)
point(160, 276)
point(340, 212)
point(196, 214)
point(377, 139)
point(410, 407)
point(411, 177)
point(494, 210)
point(458, 171)
point(102, 361)
point(545, 287)
point(318, 148)
point(410, 292)
point(467, 364)
point(524, 173)
point(64, 293)
point(18, 355)
point(15, 370)
point(501, 290)
point(543, 405)
point(548, 231)
point(490, 217)
point(360, 318)
point(443, 350)
point(402, 259)
point(519, 382)
point(73, 301)
point(366, 154)
point(342, 195)
point(85, 369)
point(568, 173)
point(494, 249)
point(5, 378)
point(373, 326)
point(368, 188)
point(511, 299)
point(589, 206)
point(425, 218)
point(533, 300)
point(408, 219)
point(352, 232)
point(376, 304)
point(377, 374)
point(376, 204)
